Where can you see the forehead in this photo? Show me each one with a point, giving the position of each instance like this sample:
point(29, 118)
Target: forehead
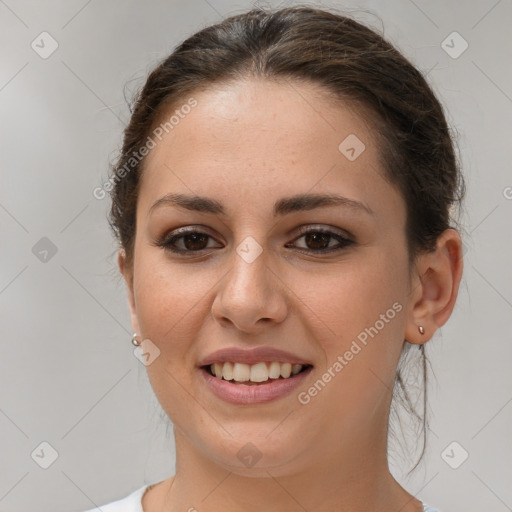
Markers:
point(289, 115)
point(256, 138)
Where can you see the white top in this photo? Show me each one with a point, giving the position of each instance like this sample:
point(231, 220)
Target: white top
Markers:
point(133, 503)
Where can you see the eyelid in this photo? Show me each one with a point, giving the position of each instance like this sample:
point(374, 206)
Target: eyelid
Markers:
point(178, 233)
point(326, 229)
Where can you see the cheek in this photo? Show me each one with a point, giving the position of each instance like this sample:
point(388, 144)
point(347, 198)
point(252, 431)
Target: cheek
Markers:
point(171, 311)
point(358, 320)
point(350, 297)
point(168, 300)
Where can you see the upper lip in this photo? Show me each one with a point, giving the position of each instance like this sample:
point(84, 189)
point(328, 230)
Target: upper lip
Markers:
point(252, 356)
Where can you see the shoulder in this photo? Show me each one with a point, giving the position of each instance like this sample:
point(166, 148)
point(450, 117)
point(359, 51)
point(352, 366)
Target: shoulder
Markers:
point(131, 503)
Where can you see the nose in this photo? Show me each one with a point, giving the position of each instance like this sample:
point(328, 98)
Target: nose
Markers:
point(251, 296)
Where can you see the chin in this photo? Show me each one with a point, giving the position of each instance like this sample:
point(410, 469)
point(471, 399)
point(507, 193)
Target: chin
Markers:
point(259, 457)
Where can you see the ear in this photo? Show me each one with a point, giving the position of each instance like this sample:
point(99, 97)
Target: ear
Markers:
point(435, 285)
point(127, 272)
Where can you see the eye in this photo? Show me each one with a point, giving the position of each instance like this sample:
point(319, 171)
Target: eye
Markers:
point(189, 241)
point(319, 240)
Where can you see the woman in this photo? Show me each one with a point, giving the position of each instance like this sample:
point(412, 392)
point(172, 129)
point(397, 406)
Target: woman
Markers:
point(282, 203)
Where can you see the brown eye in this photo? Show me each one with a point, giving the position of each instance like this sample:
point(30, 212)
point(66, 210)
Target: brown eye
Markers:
point(189, 241)
point(195, 241)
point(185, 241)
point(320, 241)
point(317, 240)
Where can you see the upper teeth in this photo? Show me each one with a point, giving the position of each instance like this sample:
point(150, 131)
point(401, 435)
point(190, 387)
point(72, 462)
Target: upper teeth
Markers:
point(258, 372)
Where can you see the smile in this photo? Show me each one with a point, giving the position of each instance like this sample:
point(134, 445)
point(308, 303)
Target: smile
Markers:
point(272, 380)
point(256, 373)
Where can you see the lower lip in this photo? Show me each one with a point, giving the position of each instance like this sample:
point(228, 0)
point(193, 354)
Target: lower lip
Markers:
point(242, 394)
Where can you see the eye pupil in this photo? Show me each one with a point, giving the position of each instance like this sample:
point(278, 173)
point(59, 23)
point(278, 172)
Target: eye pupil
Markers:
point(195, 237)
point(318, 237)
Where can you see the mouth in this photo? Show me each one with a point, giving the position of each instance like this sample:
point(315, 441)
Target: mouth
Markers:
point(258, 374)
point(253, 376)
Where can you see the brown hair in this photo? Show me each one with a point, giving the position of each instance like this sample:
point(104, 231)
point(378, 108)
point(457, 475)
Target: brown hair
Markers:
point(352, 63)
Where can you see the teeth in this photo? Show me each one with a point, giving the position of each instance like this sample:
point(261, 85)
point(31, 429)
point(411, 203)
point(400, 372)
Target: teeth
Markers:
point(217, 370)
point(226, 371)
point(296, 368)
point(274, 371)
point(259, 372)
point(241, 372)
point(286, 370)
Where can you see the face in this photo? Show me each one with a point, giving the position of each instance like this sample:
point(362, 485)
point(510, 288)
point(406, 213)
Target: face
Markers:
point(327, 283)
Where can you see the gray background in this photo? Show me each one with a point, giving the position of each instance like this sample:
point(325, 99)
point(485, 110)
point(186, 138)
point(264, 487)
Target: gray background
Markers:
point(68, 373)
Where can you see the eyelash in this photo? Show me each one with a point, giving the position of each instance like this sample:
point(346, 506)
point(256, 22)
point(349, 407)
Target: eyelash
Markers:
point(167, 241)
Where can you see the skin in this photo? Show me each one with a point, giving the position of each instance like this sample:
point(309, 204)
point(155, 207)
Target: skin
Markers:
point(247, 144)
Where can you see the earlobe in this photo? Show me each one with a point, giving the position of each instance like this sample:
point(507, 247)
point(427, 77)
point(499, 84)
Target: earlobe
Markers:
point(437, 284)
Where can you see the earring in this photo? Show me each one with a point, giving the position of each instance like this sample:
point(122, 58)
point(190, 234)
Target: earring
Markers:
point(420, 328)
point(135, 341)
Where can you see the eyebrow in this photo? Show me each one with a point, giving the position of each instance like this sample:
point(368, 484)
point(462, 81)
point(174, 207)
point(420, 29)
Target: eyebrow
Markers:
point(284, 206)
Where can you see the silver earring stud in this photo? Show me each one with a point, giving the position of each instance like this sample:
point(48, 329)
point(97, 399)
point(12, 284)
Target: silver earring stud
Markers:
point(420, 328)
point(135, 341)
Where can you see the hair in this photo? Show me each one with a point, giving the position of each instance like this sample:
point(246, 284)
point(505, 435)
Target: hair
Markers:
point(353, 64)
